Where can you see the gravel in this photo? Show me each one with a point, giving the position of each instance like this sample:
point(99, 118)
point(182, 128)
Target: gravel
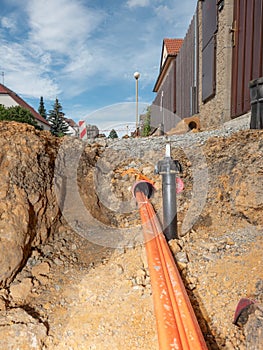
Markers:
point(186, 140)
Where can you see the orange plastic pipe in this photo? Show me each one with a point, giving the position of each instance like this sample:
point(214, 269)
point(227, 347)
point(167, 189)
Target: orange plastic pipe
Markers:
point(177, 325)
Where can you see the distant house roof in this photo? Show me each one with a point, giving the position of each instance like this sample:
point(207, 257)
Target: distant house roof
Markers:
point(170, 49)
point(71, 122)
point(173, 45)
point(4, 90)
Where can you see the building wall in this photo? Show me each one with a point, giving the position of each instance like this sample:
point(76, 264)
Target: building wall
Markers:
point(247, 52)
point(216, 110)
point(92, 131)
point(7, 101)
point(226, 60)
point(186, 73)
point(164, 55)
point(42, 125)
point(163, 107)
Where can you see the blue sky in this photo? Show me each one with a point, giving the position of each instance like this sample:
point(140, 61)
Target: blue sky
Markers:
point(85, 52)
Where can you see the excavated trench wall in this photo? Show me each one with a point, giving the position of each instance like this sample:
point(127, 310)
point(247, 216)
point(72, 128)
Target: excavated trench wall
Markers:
point(47, 182)
point(32, 189)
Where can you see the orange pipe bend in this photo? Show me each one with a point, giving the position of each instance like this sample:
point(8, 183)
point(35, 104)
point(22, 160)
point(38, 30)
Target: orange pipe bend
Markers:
point(177, 326)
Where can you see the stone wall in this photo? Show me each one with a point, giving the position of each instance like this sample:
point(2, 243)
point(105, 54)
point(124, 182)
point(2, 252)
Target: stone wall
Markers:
point(216, 110)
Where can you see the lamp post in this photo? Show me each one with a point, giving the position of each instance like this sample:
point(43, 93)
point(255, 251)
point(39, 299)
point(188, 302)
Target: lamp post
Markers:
point(136, 76)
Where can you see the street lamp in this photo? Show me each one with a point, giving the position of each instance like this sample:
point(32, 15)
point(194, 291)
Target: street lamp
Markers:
point(136, 76)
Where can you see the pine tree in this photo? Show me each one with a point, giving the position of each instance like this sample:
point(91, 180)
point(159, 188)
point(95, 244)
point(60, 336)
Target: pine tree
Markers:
point(56, 119)
point(113, 134)
point(42, 109)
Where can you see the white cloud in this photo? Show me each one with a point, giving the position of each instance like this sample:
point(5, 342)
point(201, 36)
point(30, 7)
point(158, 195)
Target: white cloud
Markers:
point(83, 64)
point(8, 22)
point(26, 73)
point(64, 46)
point(61, 25)
point(138, 3)
point(176, 14)
point(36, 86)
point(55, 44)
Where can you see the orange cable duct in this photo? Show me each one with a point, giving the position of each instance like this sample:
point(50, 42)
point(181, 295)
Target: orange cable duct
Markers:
point(177, 325)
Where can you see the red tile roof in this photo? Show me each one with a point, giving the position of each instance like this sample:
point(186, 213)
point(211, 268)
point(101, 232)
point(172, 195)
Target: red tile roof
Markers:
point(173, 45)
point(71, 122)
point(22, 103)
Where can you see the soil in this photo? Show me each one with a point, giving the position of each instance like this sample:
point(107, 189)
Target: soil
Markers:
point(99, 298)
point(88, 296)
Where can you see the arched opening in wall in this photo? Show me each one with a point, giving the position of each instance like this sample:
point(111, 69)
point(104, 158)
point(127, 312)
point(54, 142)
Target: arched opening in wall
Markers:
point(192, 125)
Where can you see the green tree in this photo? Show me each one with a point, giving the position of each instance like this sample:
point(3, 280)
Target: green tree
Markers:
point(113, 134)
point(18, 114)
point(42, 109)
point(58, 125)
point(147, 123)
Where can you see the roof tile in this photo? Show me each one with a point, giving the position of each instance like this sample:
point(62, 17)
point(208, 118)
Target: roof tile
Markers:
point(173, 45)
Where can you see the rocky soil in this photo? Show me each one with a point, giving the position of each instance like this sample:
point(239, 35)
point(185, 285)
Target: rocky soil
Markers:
point(73, 267)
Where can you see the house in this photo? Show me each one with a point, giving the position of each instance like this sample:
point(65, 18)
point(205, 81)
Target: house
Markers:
point(9, 98)
point(165, 86)
point(73, 128)
point(92, 131)
point(210, 75)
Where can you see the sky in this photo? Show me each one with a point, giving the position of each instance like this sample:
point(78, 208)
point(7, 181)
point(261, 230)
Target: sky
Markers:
point(85, 52)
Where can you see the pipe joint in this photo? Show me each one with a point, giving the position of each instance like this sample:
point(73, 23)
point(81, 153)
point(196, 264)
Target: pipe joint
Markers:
point(168, 166)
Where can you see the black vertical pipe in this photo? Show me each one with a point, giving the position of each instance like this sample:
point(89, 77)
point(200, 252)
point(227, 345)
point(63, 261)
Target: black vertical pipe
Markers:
point(169, 206)
point(168, 168)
